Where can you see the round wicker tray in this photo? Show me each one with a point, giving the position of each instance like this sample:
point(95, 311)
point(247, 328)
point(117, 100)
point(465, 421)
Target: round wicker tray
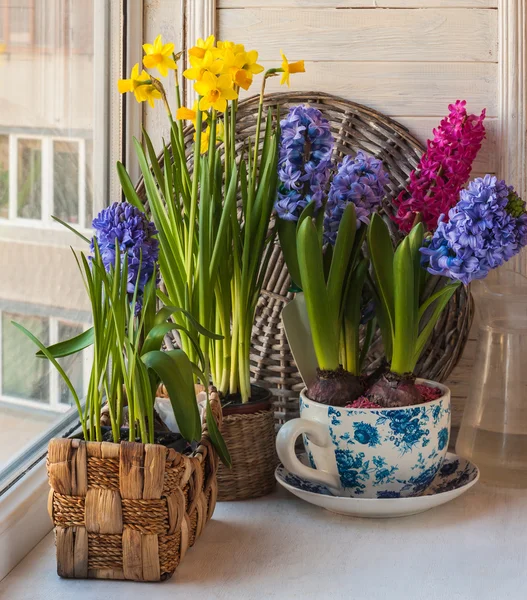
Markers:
point(355, 127)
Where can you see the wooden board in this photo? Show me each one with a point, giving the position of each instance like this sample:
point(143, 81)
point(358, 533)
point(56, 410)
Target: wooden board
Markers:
point(401, 88)
point(358, 3)
point(432, 35)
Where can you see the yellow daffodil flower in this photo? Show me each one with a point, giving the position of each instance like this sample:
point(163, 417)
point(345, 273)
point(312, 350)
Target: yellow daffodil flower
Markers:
point(243, 79)
point(205, 137)
point(215, 91)
point(236, 48)
point(198, 51)
point(220, 131)
point(142, 91)
point(202, 65)
point(190, 114)
point(159, 56)
point(251, 65)
point(290, 68)
point(204, 141)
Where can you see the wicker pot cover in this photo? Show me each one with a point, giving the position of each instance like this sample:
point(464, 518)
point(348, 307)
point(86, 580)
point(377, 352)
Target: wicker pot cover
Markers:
point(354, 127)
point(250, 438)
point(128, 510)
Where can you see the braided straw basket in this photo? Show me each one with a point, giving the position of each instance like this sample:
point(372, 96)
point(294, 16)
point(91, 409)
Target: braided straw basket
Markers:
point(129, 510)
point(250, 439)
point(354, 127)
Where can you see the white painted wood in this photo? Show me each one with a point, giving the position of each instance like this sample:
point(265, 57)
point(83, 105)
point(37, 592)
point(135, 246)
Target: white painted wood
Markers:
point(432, 35)
point(163, 17)
point(398, 89)
point(280, 548)
point(358, 3)
point(201, 21)
point(23, 517)
point(512, 147)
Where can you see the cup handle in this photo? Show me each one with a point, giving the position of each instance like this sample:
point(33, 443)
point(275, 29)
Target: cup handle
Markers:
point(285, 446)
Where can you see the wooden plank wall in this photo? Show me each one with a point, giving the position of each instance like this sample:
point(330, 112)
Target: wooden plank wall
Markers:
point(406, 58)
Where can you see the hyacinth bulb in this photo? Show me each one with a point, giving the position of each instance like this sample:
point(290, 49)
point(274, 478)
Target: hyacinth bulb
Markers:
point(335, 388)
point(392, 390)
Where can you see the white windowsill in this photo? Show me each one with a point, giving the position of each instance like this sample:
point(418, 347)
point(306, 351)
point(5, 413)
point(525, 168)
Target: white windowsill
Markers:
point(280, 547)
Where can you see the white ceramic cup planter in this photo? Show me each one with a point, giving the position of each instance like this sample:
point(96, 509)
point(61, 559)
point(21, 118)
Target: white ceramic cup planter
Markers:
point(369, 453)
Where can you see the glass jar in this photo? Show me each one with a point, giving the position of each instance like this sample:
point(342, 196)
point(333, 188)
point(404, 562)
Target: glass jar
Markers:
point(493, 432)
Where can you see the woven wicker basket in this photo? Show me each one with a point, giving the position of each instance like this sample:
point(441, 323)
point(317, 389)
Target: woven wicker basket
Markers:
point(354, 127)
point(251, 442)
point(128, 510)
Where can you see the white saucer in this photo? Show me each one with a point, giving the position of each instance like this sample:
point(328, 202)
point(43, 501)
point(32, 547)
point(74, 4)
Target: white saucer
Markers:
point(455, 477)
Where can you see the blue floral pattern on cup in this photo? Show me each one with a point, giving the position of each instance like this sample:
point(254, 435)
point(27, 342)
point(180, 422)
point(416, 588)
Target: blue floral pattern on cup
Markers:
point(380, 453)
point(454, 474)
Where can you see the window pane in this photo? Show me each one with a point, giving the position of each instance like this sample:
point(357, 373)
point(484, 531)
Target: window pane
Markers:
point(72, 365)
point(4, 176)
point(47, 127)
point(20, 22)
point(66, 181)
point(29, 197)
point(89, 182)
point(23, 374)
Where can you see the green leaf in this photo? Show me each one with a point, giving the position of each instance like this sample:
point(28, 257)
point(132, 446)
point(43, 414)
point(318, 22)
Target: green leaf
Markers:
point(72, 229)
point(351, 318)
point(128, 187)
point(442, 300)
point(429, 301)
point(415, 238)
point(287, 237)
point(405, 310)
point(322, 320)
point(341, 257)
point(175, 371)
point(216, 438)
point(168, 311)
point(154, 339)
point(61, 371)
point(381, 253)
point(71, 346)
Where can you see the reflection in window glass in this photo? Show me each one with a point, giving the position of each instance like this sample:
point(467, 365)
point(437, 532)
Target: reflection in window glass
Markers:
point(66, 181)
point(72, 365)
point(23, 374)
point(89, 182)
point(20, 22)
point(47, 127)
point(4, 176)
point(29, 196)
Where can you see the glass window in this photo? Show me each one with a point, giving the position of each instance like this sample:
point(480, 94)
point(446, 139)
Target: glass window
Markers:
point(24, 375)
point(4, 176)
point(29, 179)
point(72, 366)
point(66, 181)
point(51, 111)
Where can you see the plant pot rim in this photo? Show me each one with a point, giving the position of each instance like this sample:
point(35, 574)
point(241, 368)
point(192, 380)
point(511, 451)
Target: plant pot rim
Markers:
point(252, 406)
point(427, 382)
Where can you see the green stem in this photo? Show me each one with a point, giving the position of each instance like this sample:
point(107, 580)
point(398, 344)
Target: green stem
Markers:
point(193, 203)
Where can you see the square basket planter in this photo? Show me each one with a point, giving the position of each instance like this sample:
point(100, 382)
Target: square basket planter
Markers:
point(129, 510)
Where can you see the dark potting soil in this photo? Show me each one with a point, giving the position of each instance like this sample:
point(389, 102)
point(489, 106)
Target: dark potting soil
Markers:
point(258, 395)
point(164, 438)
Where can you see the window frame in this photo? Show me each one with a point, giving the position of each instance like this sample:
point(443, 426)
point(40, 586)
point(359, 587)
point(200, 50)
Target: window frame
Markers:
point(54, 404)
point(47, 200)
point(23, 482)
